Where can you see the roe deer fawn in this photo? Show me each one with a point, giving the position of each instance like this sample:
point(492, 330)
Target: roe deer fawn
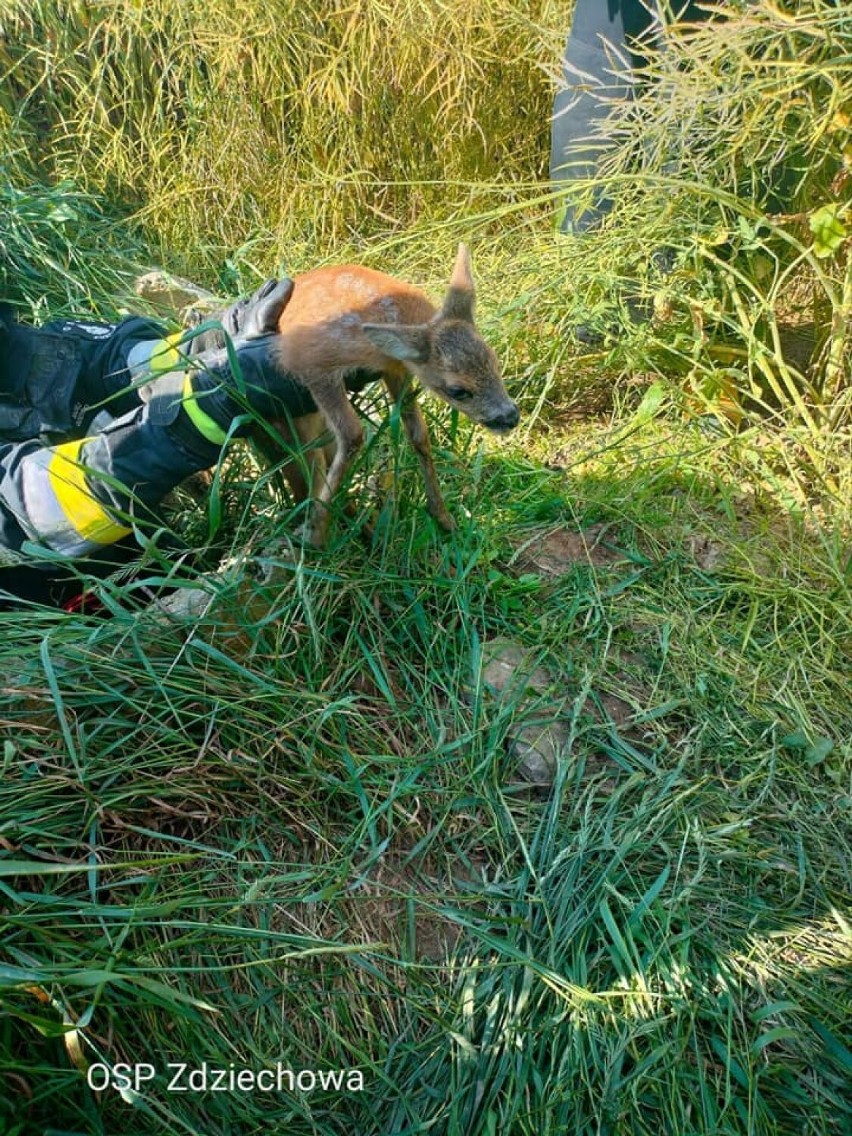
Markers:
point(348, 319)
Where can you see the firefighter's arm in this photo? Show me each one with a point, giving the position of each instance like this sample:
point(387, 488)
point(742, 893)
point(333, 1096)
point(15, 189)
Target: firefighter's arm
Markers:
point(78, 496)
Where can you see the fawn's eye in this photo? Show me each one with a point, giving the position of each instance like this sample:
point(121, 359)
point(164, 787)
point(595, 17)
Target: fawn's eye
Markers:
point(459, 394)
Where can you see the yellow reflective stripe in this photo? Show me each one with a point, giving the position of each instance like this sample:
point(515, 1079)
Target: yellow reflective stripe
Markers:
point(157, 356)
point(84, 513)
point(165, 355)
point(206, 426)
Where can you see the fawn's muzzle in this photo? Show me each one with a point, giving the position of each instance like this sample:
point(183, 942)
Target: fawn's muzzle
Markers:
point(508, 420)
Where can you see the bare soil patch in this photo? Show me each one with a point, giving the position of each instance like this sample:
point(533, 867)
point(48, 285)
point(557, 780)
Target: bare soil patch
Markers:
point(553, 552)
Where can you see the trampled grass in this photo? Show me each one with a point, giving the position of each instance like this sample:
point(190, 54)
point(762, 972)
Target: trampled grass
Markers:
point(292, 828)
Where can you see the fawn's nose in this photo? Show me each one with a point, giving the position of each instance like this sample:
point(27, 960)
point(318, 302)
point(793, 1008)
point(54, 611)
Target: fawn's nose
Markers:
point(508, 420)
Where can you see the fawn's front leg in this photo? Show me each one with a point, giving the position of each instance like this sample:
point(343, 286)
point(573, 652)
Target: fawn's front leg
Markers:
point(418, 434)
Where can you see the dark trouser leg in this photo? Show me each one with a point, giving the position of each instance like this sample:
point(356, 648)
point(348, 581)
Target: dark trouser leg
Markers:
point(56, 379)
point(596, 71)
point(599, 59)
point(104, 381)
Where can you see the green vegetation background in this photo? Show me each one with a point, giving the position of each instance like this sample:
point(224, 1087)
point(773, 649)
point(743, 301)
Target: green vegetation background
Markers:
point(293, 828)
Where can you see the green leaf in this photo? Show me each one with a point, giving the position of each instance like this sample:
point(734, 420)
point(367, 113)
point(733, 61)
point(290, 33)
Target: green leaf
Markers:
point(836, 1048)
point(775, 1008)
point(814, 751)
point(779, 1033)
point(828, 230)
point(650, 895)
point(819, 751)
point(651, 403)
point(61, 213)
point(619, 945)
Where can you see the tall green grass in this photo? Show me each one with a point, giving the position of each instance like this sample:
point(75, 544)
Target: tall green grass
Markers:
point(736, 160)
point(278, 130)
point(61, 252)
point(274, 137)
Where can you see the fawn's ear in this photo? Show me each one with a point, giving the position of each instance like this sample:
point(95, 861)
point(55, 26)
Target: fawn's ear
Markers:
point(409, 344)
point(458, 302)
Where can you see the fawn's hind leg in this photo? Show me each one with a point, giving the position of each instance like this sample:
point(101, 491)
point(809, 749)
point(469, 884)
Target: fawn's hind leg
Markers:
point(418, 434)
point(344, 423)
point(308, 429)
point(306, 473)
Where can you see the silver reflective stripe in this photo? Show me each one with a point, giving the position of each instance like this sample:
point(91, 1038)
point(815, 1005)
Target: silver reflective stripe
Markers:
point(59, 508)
point(100, 422)
point(44, 519)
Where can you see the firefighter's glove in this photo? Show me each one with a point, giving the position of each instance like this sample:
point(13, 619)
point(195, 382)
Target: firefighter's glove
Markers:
point(246, 380)
point(245, 317)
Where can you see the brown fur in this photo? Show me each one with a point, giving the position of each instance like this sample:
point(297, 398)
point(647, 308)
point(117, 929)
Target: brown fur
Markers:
point(350, 318)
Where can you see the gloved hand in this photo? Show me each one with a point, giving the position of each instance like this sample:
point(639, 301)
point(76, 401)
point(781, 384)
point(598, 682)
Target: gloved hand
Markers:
point(212, 393)
point(260, 385)
point(238, 319)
